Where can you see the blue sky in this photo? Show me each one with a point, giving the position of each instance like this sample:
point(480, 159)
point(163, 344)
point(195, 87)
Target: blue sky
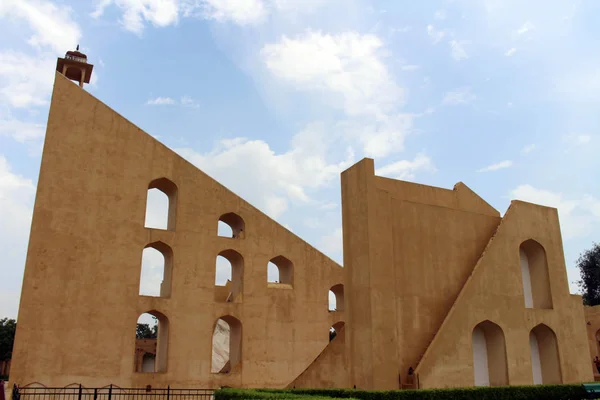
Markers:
point(274, 98)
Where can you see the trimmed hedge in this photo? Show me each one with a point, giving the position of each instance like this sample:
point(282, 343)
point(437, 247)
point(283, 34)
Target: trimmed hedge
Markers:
point(242, 394)
point(547, 392)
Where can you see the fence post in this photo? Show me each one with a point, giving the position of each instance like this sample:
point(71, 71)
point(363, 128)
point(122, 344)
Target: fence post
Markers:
point(79, 394)
point(168, 391)
point(95, 393)
point(110, 392)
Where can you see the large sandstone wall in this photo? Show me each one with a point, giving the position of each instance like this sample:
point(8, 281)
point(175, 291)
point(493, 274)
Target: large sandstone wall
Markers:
point(494, 292)
point(408, 250)
point(80, 303)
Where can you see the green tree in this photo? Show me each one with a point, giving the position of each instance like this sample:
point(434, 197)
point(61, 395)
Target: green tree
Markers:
point(7, 338)
point(145, 331)
point(589, 270)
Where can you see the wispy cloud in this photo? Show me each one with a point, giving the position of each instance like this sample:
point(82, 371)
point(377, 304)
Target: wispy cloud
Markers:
point(528, 149)
point(457, 49)
point(510, 52)
point(136, 13)
point(409, 67)
point(440, 15)
point(526, 27)
point(462, 95)
point(21, 131)
point(161, 101)
point(434, 34)
point(497, 166)
point(185, 101)
point(407, 169)
point(52, 25)
point(583, 139)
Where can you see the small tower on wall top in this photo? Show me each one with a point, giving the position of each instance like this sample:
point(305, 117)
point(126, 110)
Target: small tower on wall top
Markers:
point(75, 67)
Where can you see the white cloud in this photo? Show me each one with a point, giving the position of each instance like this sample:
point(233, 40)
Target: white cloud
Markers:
point(188, 101)
point(463, 95)
point(333, 244)
point(440, 15)
point(435, 35)
point(349, 65)
point(16, 196)
point(380, 138)
point(26, 80)
point(510, 52)
point(580, 85)
point(497, 166)
point(410, 67)
point(457, 49)
point(577, 216)
point(526, 27)
point(406, 169)
point(21, 131)
point(266, 179)
point(52, 24)
point(161, 101)
point(527, 149)
point(299, 6)
point(159, 13)
point(348, 72)
point(241, 12)
point(579, 139)
point(185, 101)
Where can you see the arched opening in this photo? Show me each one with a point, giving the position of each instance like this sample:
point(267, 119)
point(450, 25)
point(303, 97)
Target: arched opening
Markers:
point(161, 204)
point(280, 270)
point(229, 276)
point(336, 330)
point(545, 362)
point(489, 355)
point(151, 342)
point(157, 270)
point(231, 225)
point(226, 345)
point(336, 298)
point(534, 271)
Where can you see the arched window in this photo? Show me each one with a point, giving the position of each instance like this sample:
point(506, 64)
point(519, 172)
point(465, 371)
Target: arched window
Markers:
point(226, 345)
point(545, 362)
point(489, 355)
point(229, 276)
point(157, 270)
point(161, 204)
point(280, 270)
point(151, 342)
point(231, 225)
point(336, 298)
point(534, 271)
point(336, 330)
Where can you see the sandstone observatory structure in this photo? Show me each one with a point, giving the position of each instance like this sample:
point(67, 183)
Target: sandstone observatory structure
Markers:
point(434, 279)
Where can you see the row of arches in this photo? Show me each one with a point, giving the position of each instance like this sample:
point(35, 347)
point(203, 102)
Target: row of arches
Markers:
point(161, 210)
point(152, 339)
point(157, 271)
point(490, 363)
